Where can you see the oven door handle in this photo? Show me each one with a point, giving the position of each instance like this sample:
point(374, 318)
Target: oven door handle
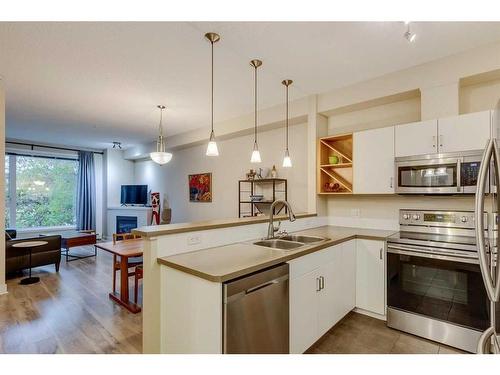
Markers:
point(429, 254)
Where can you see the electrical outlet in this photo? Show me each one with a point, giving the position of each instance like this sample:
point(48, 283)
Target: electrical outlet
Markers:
point(355, 212)
point(194, 239)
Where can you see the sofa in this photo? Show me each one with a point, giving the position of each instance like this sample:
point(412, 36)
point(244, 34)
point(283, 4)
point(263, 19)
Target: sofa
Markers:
point(17, 259)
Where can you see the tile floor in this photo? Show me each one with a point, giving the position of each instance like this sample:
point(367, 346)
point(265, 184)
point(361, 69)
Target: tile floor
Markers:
point(361, 334)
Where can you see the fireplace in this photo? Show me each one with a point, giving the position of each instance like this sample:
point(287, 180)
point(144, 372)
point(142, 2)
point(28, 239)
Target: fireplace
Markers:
point(125, 224)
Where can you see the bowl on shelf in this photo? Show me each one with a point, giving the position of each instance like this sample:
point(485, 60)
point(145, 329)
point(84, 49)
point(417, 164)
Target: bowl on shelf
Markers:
point(334, 159)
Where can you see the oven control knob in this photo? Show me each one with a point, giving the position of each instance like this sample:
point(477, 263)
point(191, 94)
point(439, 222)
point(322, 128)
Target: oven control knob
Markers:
point(416, 217)
point(406, 216)
point(463, 219)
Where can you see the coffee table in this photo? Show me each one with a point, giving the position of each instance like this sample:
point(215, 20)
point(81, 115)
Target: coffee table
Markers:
point(75, 238)
point(29, 245)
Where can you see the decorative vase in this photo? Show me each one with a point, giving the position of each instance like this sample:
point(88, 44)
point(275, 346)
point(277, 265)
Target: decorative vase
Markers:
point(274, 172)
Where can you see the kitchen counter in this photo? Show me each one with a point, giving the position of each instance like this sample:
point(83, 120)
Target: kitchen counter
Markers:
point(223, 263)
point(161, 230)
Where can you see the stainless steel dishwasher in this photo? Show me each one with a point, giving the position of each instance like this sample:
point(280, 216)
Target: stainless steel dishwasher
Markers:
point(256, 313)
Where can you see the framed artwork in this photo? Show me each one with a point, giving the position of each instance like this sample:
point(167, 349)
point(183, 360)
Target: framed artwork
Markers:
point(200, 187)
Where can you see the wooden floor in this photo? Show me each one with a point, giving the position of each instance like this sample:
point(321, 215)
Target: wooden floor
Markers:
point(68, 312)
point(361, 334)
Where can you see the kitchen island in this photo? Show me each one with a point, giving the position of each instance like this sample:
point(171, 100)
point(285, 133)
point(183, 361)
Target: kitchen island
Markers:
point(185, 272)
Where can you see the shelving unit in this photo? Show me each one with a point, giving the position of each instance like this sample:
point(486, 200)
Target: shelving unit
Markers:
point(335, 178)
point(276, 188)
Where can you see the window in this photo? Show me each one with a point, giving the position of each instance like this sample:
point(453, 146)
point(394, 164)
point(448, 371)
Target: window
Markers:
point(40, 191)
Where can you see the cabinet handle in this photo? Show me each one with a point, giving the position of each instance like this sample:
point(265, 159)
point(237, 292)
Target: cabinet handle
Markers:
point(380, 253)
point(391, 182)
point(434, 141)
point(318, 284)
point(440, 140)
point(322, 282)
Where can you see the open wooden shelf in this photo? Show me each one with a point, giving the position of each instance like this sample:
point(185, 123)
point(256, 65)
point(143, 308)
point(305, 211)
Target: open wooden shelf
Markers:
point(339, 165)
point(335, 178)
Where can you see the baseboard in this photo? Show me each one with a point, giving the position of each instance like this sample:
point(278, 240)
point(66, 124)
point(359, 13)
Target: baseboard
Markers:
point(3, 288)
point(371, 314)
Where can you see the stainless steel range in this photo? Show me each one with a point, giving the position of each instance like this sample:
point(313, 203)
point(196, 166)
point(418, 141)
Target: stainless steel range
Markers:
point(434, 283)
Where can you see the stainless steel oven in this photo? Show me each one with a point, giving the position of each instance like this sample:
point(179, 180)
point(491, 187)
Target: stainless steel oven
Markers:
point(452, 173)
point(434, 282)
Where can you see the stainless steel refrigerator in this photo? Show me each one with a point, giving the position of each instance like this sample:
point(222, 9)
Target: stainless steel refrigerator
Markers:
point(489, 342)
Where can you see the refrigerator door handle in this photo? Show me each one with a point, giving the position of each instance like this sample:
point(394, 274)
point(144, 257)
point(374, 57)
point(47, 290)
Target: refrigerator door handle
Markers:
point(496, 277)
point(479, 217)
point(486, 341)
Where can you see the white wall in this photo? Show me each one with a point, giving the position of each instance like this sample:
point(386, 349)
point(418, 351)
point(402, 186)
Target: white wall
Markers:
point(3, 287)
point(119, 172)
point(171, 180)
point(479, 97)
point(100, 191)
point(382, 212)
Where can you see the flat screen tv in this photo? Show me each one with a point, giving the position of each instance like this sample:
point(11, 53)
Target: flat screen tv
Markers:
point(134, 194)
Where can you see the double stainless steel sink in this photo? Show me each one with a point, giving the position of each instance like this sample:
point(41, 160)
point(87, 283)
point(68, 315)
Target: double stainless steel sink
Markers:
point(290, 242)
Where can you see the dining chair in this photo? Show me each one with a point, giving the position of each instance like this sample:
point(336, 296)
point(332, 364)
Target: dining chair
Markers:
point(133, 262)
point(139, 274)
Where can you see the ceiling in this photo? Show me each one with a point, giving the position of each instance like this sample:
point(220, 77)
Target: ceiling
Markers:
point(88, 84)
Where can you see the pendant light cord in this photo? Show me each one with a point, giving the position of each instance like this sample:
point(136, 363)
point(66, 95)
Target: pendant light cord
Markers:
point(212, 99)
point(161, 120)
point(255, 109)
point(287, 117)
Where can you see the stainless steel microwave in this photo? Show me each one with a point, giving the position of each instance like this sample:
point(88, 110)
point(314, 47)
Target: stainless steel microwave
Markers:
point(451, 173)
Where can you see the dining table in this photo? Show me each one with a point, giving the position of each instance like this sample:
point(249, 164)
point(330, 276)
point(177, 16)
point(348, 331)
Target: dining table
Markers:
point(124, 250)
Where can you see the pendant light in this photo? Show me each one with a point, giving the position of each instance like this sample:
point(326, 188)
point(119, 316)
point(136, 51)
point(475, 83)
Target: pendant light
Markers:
point(255, 153)
point(287, 162)
point(161, 156)
point(212, 149)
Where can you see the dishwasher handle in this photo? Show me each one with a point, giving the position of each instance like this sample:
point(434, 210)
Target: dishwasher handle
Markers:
point(254, 289)
point(261, 286)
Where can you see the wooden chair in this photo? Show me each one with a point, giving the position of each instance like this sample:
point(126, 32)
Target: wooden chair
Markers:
point(131, 263)
point(139, 274)
point(124, 236)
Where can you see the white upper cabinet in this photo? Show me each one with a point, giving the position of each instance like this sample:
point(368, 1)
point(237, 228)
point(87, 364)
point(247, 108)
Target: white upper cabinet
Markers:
point(465, 132)
point(416, 138)
point(451, 134)
point(374, 161)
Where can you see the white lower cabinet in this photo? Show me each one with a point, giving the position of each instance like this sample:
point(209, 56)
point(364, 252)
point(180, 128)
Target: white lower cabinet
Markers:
point(303, 311)
point(348, 278)
point(370, 276)
point(319, 294)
